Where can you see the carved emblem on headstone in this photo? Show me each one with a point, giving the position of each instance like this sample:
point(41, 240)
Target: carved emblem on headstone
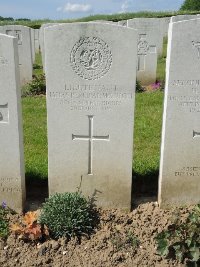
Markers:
point(197, 46)
point(143, 47)
point(91, 58)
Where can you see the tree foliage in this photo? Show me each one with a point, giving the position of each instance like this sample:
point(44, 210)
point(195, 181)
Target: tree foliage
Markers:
point(193, 5)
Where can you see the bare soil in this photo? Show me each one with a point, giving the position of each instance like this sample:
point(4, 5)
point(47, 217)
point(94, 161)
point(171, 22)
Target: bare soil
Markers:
point(122, 239)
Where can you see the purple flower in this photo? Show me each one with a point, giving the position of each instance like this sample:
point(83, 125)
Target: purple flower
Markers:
point(3, 205)
point(155, 85)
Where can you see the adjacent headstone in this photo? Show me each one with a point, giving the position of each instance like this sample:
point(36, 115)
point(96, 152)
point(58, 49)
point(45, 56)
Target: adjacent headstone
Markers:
point(41, 40)
point(33, 44)
point(147, 61)
point(36, 37)
point(165, 25)
point(90, 99)
point(182, 17)
point(12, 178)
point(23, 34)
point(179, 182)
point(151, 28)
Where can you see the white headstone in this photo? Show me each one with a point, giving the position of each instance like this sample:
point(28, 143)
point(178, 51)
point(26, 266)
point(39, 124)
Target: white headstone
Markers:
point(147, 61)
point(165, 25)
point(90, 99)
point(41, 40)
point(151, 28)
point(179, 182)
point(23, 34)
point(36, 37)
point(182, 17)
point(147, 57)
point(12, 178)
point(33, 44)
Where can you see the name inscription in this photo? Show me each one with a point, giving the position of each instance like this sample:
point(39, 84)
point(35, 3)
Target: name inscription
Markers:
point(90, 97)
point(191, 101)
point(188, 171)
point(6, 185)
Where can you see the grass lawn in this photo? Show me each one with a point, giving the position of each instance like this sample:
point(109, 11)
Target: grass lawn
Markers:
point(35, 136)
point(37, 69)
point(147, 139)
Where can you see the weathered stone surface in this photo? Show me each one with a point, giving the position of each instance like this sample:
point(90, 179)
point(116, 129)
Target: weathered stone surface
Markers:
point(90, 101)
point(179, 182)
point(23, 34)
point(151, 28)
point(12, 178)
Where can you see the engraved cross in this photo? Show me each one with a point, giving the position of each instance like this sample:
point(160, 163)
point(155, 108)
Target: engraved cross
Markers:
point(196, 134)
point(91, 138)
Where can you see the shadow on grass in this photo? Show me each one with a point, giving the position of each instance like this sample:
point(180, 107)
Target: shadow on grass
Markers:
point(37, 66)
point(144, 187)
point(36, 190)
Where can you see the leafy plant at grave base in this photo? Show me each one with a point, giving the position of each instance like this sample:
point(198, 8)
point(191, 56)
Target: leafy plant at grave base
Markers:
point(139, 87)
point(132, 240)
point(68, 215)
point(182, 239)
point(30, 229)
point(4, 224)
point(36, 87)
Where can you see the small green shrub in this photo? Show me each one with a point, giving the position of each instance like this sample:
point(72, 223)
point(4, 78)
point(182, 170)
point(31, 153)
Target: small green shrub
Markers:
point(4, 226)
point(182, 239)
point(68, 215)
point(132, 240)
point(121, 241)
point(36, 87)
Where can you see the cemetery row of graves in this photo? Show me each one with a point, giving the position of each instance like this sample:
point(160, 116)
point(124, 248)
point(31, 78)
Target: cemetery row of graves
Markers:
point(90, 74)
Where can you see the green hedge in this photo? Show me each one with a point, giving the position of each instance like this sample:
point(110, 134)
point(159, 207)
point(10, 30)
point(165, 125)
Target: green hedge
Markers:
point(36, 24)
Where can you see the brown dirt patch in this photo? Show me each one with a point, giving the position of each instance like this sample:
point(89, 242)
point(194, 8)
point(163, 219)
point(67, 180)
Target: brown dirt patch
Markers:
point(109, 246)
